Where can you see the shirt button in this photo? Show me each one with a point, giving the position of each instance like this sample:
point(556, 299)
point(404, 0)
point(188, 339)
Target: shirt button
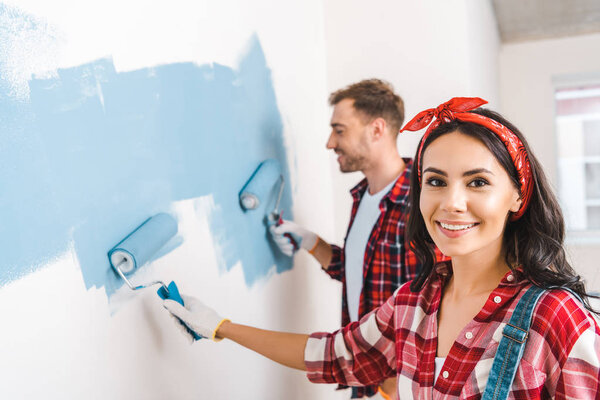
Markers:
point(445, 374)
point(510, 278)
point(469, 335)
point(497, 299)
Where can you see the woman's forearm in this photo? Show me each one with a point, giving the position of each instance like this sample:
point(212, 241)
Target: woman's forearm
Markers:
point(284, 348)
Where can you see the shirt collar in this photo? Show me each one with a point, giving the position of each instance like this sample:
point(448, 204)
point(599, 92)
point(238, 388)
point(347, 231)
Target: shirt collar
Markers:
point(399, 191)
point(512, 278)
point(510, 286)
point(510, 283)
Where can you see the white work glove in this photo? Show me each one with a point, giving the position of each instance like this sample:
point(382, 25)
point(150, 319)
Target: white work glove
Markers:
point(305, 238)
point(197, 316)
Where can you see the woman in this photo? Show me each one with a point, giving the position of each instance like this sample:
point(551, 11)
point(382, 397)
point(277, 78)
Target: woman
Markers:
point(481, 196)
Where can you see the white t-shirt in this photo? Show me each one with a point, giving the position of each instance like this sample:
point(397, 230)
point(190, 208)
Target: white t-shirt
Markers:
point(439, 363)
point(356, 243)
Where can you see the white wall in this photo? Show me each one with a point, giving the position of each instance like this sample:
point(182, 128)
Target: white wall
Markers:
point(527, 72)
point(61, 341)
point(430, 51)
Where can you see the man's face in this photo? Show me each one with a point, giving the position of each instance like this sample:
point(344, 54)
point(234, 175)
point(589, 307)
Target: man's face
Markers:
point(349, 137)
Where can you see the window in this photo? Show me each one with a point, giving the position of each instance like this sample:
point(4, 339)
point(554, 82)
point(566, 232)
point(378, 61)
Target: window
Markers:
point(578, 140)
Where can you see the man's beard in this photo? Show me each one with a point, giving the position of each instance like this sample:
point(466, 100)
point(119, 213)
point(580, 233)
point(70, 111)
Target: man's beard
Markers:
point(351, 163)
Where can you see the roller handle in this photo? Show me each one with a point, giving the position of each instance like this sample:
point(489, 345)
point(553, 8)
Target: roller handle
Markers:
point(173, 294)
point(276, 218)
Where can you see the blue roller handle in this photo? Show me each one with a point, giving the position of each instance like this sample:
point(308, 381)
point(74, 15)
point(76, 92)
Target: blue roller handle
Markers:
point(174, 295)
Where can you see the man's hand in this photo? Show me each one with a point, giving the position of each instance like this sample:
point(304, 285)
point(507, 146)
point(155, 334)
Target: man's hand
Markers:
point(198, 317)
point(388, 389)
point(307, 239)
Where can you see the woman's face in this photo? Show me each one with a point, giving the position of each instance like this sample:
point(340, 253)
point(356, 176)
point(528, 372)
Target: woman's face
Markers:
point(466, 196)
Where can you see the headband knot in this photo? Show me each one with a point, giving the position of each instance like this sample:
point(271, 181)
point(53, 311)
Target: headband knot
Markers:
point(458, 108)
point(443, 113)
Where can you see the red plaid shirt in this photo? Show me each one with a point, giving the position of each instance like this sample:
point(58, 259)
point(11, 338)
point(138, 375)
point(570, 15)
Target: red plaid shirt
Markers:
point(388, 262)
point(561, 358)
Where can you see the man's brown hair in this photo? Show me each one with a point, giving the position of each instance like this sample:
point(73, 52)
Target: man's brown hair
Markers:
point(374, 98)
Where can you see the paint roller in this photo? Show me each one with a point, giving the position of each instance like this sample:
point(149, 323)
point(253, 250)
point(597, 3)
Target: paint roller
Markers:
point(259, 186)
point(137, 249)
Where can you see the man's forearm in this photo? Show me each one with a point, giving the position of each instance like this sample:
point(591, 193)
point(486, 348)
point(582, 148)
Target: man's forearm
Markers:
point(285, 348)
point(323, 252)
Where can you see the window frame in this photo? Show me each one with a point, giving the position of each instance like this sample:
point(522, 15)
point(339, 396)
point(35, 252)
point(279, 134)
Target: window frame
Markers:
point(561, 82)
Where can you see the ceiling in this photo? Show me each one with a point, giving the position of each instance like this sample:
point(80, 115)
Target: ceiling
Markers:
point(523, 20)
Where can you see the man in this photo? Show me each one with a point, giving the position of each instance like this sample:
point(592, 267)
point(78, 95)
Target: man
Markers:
point(375, 259)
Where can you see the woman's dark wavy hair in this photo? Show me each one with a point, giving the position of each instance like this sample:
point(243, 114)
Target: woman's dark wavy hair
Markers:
point(534, 241)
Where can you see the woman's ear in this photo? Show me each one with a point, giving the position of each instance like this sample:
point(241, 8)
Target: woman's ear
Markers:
point(516, 204)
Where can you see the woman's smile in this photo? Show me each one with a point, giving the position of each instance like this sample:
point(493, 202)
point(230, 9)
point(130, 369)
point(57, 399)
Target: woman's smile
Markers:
point(455, 229)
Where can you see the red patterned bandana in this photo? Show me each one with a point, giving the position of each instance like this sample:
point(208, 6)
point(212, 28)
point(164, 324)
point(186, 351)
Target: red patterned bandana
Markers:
point(457, 108)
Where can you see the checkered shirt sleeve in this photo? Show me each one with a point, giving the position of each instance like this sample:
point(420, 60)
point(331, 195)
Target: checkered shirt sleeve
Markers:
point(361, 353)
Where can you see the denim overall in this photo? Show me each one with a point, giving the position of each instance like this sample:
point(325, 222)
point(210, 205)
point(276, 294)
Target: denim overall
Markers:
point(511, 347)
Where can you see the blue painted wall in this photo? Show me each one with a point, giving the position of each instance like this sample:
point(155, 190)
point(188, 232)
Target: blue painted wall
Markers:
point(92, 153)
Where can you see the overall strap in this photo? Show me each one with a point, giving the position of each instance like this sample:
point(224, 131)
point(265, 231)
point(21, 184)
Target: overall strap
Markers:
point(511, 347)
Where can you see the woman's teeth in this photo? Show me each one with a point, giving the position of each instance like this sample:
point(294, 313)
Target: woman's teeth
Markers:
point(456, 227)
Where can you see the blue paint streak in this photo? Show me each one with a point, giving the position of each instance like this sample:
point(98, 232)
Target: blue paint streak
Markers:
point(27, 203)
point(96, 152)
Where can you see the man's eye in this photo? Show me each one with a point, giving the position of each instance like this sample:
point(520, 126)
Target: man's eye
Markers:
point(435, 182)
point(479, 182)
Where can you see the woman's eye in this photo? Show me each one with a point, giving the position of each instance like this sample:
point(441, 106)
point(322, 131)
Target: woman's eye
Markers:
point(479, 182)
point(435, 182)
